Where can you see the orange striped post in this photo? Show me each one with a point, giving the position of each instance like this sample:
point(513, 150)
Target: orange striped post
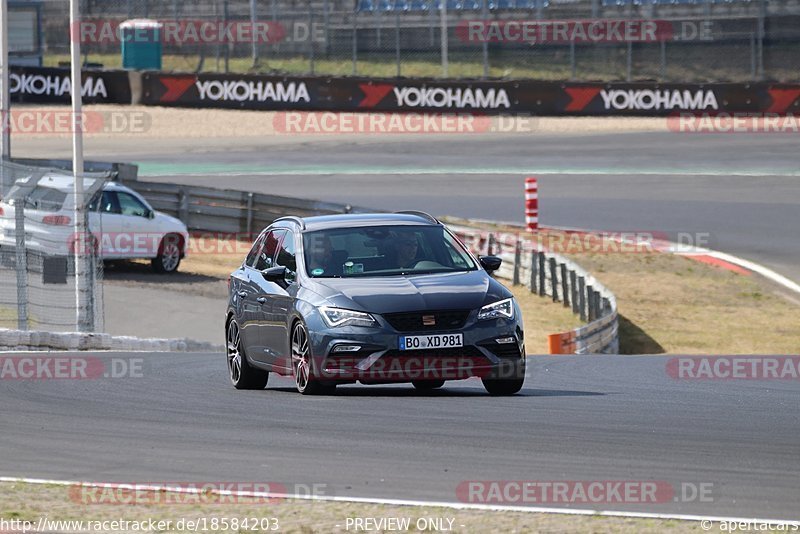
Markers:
point(531, 204)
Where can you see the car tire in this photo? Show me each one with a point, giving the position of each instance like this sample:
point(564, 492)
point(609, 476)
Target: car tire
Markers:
point(427, 385)
point(305, 379)
point(242, 374)
point(506, 386)
point(169, 255)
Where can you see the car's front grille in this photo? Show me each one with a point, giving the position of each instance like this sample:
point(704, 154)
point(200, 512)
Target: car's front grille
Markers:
point(503, 350)
point(427, 320)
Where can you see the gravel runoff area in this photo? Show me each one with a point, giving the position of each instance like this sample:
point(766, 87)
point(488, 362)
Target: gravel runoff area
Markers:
point(170, 122)
point(29, 502)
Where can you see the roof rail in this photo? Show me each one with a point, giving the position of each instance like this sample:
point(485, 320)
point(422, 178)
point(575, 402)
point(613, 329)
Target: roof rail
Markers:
point(293, 218)
point(419, 214)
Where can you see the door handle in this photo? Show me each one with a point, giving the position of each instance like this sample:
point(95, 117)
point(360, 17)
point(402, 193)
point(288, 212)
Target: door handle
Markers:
point(261, 300)
point(242, 294)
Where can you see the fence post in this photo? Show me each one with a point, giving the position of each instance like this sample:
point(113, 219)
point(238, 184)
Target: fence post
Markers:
point(629, 66)
point(22, 267)
point(590, 302)
point(355, 43)
point(533, 271)
point(326, 23)
point(485, 44)
point(596, 300)
point(397, 39)
point(489, 244)
point(582, 297)
point(183, 206)
point(517, 260)
point(573, 291)
point(311, 38)
point(554, 279)
point(91, 251)
point(253, 19)
point(249, 223)
point(572, 66)
point(762, 6)
point(564, 294)
point(90, 286)
point(541, 274)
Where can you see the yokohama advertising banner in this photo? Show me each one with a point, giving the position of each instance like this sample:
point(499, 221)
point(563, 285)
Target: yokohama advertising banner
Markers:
point(480, 97)
point(54, 86)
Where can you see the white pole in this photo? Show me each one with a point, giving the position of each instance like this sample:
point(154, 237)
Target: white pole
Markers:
point(77, 161)
point(252, 30)
point(5, 100)
point(443, 23)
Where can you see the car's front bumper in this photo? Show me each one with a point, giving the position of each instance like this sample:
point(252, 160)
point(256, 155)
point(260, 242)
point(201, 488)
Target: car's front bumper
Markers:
point(490, 348)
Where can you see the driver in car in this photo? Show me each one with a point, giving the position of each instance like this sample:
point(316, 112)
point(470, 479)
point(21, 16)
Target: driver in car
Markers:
point(405, 250)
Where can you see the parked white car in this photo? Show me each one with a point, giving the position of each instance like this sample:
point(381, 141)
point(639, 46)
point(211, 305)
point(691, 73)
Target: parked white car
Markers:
point(123, 225)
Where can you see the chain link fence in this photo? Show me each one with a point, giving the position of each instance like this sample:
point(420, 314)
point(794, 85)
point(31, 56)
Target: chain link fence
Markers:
point(597, 40)
point(38, 251)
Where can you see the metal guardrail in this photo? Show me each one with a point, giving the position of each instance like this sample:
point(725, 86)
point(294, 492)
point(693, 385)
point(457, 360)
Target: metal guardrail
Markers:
point(225, 210)
point(562, 279)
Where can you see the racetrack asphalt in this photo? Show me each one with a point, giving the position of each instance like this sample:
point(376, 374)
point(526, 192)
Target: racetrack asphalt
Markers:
point(579, 418)
point(738, 192)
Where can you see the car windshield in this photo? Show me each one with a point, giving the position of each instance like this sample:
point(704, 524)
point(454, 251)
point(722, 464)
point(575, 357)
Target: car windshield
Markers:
point(383, 251)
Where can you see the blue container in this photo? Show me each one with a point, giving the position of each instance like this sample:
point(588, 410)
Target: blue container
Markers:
point(141, 44)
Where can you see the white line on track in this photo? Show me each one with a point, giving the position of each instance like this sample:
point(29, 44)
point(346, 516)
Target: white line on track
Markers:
point(521, 171)
point(402, 502)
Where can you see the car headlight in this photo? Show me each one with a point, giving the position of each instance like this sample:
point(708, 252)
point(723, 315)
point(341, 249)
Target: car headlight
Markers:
point(340, 317)
point(501, 308)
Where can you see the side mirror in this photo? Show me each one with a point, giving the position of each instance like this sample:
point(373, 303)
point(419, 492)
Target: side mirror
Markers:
point(276, 274)
point(151, 214)
point(490, 263)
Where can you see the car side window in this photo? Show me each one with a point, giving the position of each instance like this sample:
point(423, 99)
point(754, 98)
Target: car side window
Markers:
point(109, 203)
point(130, 205)
point(286, 256)
point(266, 257)
point(105, 202)
point(250, 261)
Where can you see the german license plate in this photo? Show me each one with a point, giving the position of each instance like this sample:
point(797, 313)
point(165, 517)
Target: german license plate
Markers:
point(433, 341)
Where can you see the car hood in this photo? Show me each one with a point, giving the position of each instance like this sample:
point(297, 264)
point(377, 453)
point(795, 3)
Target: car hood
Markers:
point(171, 222)
point(390, 294)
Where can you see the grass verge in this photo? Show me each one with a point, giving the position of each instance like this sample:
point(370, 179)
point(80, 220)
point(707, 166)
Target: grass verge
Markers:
point(674, 304)
point(682, 63)
point(31, 501)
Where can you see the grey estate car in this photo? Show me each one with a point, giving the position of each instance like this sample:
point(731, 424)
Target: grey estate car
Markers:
point(370, 298)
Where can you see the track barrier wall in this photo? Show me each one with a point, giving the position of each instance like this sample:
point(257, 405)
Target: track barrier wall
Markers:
point(265, 92)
